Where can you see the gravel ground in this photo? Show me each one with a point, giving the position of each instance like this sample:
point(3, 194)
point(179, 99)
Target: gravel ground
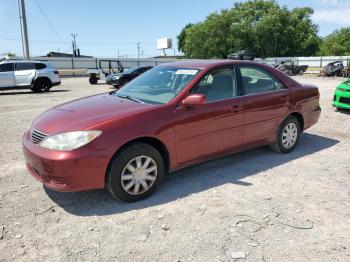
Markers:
point(250, 206)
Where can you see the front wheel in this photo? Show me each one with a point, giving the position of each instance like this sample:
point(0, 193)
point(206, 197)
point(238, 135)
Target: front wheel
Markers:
point(135, 172)
point(287, 136)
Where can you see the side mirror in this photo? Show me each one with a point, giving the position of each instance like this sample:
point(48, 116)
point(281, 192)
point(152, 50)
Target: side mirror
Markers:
point(194, 99)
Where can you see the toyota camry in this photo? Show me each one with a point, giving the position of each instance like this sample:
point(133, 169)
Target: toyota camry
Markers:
point(170, 117)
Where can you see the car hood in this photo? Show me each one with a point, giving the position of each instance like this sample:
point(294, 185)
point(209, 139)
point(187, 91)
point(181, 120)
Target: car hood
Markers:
point(85, 112)
point(117, 74)
point(345, 85)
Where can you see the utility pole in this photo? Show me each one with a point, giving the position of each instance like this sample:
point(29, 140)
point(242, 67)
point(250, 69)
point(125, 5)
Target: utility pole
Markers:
point(74, 44)
point(24, 31)
point(138, 53)
point(138, 50)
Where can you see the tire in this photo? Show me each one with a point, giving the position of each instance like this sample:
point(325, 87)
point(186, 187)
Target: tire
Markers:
point(42, 85)
point(93, 80)
point(122, 182)
point(301, 72)
point(282, 145)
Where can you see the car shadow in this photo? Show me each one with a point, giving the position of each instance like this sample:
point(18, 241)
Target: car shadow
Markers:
point(198, 178)
point(344, 111)
point(4, 93)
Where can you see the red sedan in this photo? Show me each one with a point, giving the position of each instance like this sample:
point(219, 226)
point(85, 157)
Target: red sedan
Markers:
point(173, 116)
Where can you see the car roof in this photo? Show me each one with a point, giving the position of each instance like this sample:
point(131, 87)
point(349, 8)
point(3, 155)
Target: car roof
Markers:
point(202, 64)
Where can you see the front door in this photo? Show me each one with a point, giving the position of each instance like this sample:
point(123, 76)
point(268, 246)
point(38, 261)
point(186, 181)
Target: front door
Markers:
point(212, 128)
point(7, 77)
point(266, 102)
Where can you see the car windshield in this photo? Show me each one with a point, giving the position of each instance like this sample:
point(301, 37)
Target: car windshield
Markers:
point(158, 85)
point(130, 70)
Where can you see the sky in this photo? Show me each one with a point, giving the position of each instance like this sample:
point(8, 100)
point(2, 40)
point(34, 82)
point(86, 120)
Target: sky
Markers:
point(108, 27)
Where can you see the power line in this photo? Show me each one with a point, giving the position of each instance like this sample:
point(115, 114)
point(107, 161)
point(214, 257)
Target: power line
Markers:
point(49, 23)
point(80, 43)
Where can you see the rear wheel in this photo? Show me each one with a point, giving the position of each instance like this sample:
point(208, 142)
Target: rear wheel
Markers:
point(42, 85)
point(135, 172)
point(93, 79)
point(287, 135)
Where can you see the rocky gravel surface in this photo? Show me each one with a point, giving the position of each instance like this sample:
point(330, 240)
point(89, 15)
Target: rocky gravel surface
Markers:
point(250, 206)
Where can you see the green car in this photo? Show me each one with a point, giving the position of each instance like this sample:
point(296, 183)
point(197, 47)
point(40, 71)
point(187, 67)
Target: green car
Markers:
point(342, 95)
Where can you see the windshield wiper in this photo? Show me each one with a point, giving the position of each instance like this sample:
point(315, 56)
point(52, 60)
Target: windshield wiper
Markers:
point(130, 98)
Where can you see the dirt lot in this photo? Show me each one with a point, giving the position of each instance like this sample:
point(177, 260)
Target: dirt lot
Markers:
point(250, 206)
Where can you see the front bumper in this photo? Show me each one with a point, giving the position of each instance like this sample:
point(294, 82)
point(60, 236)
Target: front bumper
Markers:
point(113, 82)
point(68, 171)
point(341, 99)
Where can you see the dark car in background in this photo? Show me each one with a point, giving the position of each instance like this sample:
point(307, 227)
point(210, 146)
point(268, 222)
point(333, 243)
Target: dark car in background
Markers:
point(334, 69)
point(291, 69)
point(119, 79)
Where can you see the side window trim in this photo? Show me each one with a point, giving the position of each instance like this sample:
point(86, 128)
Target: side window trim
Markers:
point(274, 78)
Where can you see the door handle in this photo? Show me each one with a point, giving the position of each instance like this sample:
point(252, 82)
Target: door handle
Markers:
point(284, 98)
point(236, 108)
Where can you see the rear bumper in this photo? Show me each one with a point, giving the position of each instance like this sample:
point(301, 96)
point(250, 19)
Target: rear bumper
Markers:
point(341, 99)
point(56, 84)
point(66, 171)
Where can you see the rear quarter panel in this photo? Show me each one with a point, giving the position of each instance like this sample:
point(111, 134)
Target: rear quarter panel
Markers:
point(306, 100)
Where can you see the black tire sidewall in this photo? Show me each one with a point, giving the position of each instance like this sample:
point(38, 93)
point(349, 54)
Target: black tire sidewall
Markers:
point(93, 80)
point(288, 120)
point(113, 179)
point(37, 84)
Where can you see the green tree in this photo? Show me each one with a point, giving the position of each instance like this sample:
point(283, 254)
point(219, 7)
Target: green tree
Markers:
point(181, 37)
point(337, 43)
point(262, 27)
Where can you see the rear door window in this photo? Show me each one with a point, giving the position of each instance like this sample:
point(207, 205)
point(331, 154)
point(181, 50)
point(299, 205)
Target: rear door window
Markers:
point(25, 66)
point(7, 67)
point(257, 80)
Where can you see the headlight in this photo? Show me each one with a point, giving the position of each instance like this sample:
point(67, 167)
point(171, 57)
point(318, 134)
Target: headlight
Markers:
point(115, 77)
point(71, 140)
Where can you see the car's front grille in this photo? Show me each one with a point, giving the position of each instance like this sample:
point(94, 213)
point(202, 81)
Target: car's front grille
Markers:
point(37, 136)
point(344, 100)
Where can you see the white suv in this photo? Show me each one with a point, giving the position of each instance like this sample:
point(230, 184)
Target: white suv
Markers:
point(37, 76)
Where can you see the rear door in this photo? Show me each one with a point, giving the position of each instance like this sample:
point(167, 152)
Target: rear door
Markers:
point(266, 102)
point(24, 74)
point(212, 128)
point(7, 78)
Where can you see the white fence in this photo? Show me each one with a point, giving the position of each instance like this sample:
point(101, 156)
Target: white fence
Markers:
point(68, 66)
point(315, 63)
